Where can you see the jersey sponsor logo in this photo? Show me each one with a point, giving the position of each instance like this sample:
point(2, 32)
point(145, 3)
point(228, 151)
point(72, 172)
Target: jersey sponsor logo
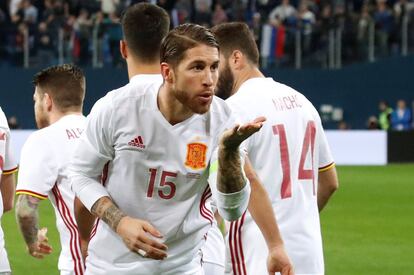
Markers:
point(137, 142)
point(196, 155)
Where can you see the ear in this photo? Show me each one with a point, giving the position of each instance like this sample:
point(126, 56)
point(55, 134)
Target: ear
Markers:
point(237, 60)
point(123, 48)
point(167, 72)
point(48, 102)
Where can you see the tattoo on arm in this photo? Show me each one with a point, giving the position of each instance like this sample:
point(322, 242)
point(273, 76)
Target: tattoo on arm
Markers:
point(105, 209)
point(28, 217)
point(230, 177)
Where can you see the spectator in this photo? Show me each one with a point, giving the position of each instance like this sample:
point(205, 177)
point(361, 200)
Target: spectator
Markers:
point(45, 48)
point(383, 24)
point(372, 123)
point(342, 125)
point(306, 21)
point(13, 123)
point(384, 117)
point(202, 14)
point(282, 12)
point(401, 117)
point(219, 15)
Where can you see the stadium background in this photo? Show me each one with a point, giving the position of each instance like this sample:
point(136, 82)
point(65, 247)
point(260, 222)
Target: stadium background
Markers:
point(368, 225)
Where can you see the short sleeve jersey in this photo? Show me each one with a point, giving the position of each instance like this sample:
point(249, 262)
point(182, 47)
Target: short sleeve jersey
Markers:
point(8, 163)
point(7, 166)
point(287, 154)
point(157, 172)
point(44, 174)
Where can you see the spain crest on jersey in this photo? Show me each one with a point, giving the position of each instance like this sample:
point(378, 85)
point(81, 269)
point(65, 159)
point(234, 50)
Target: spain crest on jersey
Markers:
point(196, 156)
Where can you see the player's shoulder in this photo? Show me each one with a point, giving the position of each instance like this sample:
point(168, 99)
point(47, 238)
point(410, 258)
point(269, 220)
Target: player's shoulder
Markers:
point(3, 120)
point(220, 109)
point(39, 138)
point(137, 88)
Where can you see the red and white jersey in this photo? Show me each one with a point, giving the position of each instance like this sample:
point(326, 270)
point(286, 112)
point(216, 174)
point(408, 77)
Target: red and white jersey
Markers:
point(287, 154)
point(157, 172)
point(43, 174)
point(7, 166)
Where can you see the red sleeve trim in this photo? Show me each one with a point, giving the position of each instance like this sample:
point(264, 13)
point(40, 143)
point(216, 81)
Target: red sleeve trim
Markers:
point(31, 193)
point(327, 167)
point(11, 171)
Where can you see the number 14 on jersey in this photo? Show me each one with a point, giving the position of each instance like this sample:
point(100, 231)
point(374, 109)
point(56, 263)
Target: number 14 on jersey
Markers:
point(303, 174)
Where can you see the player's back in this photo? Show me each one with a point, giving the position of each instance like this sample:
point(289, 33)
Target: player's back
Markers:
point(286, 154)
point(44, 174)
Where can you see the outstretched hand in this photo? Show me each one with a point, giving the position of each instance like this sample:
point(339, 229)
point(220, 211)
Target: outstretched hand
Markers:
point(233, 137)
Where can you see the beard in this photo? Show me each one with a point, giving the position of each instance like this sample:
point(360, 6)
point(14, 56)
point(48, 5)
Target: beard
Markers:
point(191, 103)
point(225, 83)
point(41, 119)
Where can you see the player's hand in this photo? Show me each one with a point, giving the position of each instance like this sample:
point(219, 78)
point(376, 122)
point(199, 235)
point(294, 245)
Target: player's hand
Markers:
point(278, 261)
point(233, 137)
point(40, 248)
point(140, 237)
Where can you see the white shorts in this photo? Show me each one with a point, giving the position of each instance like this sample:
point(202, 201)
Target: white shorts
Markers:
point(214, 249)
point(246, 249)
point(4, 262)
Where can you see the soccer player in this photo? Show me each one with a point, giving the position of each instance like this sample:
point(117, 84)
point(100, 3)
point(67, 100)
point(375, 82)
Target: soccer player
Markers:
point(8, 167)
point(159, 141)
point(58, 100)
point(290, 156)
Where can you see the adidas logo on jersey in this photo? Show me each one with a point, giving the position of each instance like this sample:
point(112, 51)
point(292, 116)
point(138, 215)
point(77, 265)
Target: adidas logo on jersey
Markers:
point(137, 142)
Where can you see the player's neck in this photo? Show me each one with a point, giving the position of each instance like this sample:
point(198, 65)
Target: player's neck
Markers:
point(137, 68)
point(244, 75)
point(56, 115)
point(172, 110)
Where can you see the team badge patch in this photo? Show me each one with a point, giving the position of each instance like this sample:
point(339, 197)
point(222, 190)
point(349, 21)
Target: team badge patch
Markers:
point(196, 156)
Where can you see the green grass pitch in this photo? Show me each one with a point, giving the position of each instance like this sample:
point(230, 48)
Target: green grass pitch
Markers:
point(368, 226)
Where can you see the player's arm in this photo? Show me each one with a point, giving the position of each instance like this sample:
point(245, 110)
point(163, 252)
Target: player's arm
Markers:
point(136, 234)
point(85, 221)
point(27, 217)
point(7, 187)
point(8, 178)
point(262, 213)
point(327, 184)
point(233, 190)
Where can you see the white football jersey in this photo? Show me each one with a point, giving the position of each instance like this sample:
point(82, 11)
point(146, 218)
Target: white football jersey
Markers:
point(157, 172)
point(44, 174)
point(286, 154)
point(7, 166)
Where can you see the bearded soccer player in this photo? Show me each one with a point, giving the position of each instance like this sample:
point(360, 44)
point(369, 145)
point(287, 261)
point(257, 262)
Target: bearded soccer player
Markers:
point(159, 141)
point(58, 101)
point(290, 155)
point(8, 167)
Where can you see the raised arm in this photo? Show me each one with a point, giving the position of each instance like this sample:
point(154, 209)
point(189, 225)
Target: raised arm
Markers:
point(232, 189)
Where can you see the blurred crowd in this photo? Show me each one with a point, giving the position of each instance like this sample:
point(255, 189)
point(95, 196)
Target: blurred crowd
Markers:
point(88, 31)
point(398, 119)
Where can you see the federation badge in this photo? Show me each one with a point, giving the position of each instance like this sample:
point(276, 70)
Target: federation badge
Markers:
point(196, 156)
